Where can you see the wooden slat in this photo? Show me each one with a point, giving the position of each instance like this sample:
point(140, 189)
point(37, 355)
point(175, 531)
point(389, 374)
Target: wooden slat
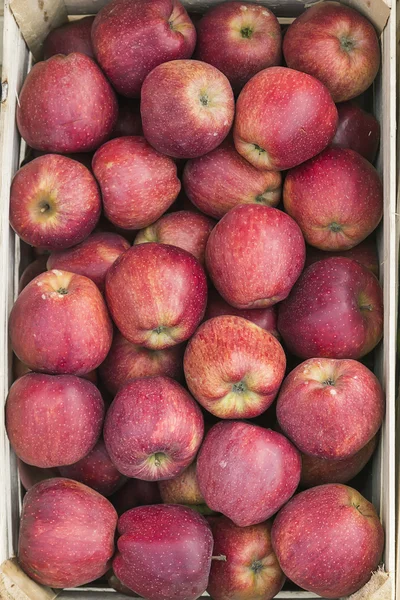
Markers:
point(16, 585)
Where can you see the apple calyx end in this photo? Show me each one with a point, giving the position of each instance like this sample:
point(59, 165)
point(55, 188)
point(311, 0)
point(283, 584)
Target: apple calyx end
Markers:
point(246, 32)
point(347, 44)
point(256, 566)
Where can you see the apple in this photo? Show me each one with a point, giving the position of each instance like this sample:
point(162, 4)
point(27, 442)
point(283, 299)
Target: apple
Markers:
point(352, 195)
point(92, 257)
point(30, 475)
point(247, 472)
point(335, 44)
point(335, 310)
point(182, 489)
point(222, 179)
point(54, 202)
point(164, 551)
point(71, 37)
point(131, 37)
point(187, 108)
point(318, 471)
point(32, 270)
point(357, 130)
point(328, 540)
point(53, 112)
point(233, 367)
point(254, 256)
point(184, 229)
point(96, 471)
point(66, 535)
point(127, 361)
point(251, 570)
point(365, 252)
point(128, 122)
point(330, 408)
point(153, 429)
point(283, 117)
point(135, 492)
point(60, 324)
point(137, 183)
point(156, 294)
point(53, 420)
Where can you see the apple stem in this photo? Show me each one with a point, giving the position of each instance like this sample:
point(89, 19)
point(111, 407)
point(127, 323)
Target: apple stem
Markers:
point(220, 557)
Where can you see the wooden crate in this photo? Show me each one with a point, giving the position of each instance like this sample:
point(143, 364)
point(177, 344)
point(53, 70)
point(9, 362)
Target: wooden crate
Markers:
point(31, 20)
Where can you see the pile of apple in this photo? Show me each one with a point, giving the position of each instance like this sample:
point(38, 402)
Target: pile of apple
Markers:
point(228, 351)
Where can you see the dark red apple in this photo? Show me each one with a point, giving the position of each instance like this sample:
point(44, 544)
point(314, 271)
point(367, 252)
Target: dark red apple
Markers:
point(187, 108)
point(247, 472)
point(182, 489)
point(283, 117)
point(137, 183)
point(366, 253)
point(222, 179)
point(135, 492)
point(254, 256)
point(71, 37)
point(34, 269)
point(156, 294)
point(153, 429)
point(60, 324)
point(54, 113)
point(92, 257)
point(129, 122)
point(54, 202)
point(251, 570)
point(66, 535)
point(131, 37)
point(328, 540)
point(30, 475)
point(357, 130)
point(336, 198)
point(337, 45)
point(335, 310)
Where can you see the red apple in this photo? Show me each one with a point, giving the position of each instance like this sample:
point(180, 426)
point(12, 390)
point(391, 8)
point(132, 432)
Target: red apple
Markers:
point(335, 310)
point(131, 37)
point(92, 257)
point(54, 113)
point(222, 179)
point(251, 570)
point(156, 294)
point(330, 408)
point(336, 198)
point(60, 324)
point(240, 40)
point(34, 269)
point(182, 489)
point(335, 44)
point(53, 420)
point(233, 367)
point(71, 37)
point(129, 122)
point(247, 472)
point(66, 535)
point(135, 492)
point(137, 183)
point(283, 118)
point(164, 551)
point(54, 202)
point(30, 475)
point(328, 540)
point(153, 429)
point(184, 229)
point(365, 252)
point(187, 108)
point(127, 361)
point(254, 256)
point(357, 130)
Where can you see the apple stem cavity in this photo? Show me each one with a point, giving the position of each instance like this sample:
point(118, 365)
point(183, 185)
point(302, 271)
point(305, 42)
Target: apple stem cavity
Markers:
point(220, 557)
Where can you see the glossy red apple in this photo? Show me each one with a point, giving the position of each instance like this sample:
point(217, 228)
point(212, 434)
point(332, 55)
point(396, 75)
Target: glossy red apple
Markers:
point(352, 194)
point(30, 475)
point(137, 183)
point(187, 108)
point(164, 552)
point(129, 121)
point(247, 472)
point(337, 45)
point(156, 294)
point(135, 492)
point(131, 37)
point(334, 311)
point(222, 179)
point(54, 113)
point(92, 257)
point(71, 37)
point(328, 540)
point(60, 324)
point(182, 489)
point(366, 253)
point(283, 117)
point(254, 256)
point(233, 367)
point(54, 202)
point(153, 429)
point(357, 130)
point(251, 570)
point(34, 269)
point(66, 535)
